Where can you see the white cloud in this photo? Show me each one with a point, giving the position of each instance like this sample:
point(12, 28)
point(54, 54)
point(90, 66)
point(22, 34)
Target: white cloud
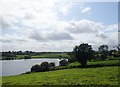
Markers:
point(4, 24)
point(35, 25)
point(60, 36)
point(86, 10)
point(112, 28)
point(84, 26)
point(38, 36)
point(101, 35)
point(47, 36)
point(65, 8)
point(41, 11)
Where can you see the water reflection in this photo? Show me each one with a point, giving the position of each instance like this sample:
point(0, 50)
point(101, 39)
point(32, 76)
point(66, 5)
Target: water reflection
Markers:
point(14, 67)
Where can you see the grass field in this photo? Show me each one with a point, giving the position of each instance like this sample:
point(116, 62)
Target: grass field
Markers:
point(20, 56)
point(46, 55)
point(92, 64)
point(0, 81)
point(52, 55)
point(107, 75)
point(78, 76)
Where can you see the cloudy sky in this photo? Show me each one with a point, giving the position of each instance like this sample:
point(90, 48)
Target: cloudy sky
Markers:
point(51, 25)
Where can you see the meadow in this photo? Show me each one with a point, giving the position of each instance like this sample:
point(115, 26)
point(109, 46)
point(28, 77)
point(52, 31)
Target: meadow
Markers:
point(77, 76)
point(51, 55)
point(46, 55)
point(70, 75)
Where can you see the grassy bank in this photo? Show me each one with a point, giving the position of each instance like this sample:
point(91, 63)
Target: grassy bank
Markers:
point(91, 64)
point(51, 55)
point(46, 55)
point(0, 81)
point(77, 76)
point(107, 74)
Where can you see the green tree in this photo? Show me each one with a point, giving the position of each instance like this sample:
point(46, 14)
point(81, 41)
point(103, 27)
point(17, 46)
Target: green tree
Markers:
point(72, 57)
point(45, 66)
point(51, 64)
point(103, 49)
point(36, 68)
point(118, 48)
point(63, 62)
point(83, 52)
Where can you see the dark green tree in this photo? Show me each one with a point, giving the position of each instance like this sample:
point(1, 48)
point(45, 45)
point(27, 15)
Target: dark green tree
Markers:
point(36, 68)
point(63, 62)
point(40, 68)
point(72, 57)
point(45, 66)
point(83, 52)
point(118, 48)
point(103, 49)
point(51, 64)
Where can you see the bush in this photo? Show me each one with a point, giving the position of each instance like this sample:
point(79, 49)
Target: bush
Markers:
point(63, 62)
point(52, 64)
point(45, 66)
point(36, 68)
point(70, 60)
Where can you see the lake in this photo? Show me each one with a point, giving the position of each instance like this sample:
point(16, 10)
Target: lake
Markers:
point(15, 67)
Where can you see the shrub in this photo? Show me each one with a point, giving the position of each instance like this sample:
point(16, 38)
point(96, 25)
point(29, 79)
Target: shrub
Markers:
point(45, 66)
point(63, 62)
point(36, 68)
point(70, 60)
point(52, 64)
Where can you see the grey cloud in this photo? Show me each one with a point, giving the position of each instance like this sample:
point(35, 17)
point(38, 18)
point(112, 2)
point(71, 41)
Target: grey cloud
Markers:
point(111, 43)
point(4, 24)
point(21, 40)
point(60, 36)
point(37, 36)
point(5, 41)
point(118, 37)
point(103, 36)
point(11, 40)
point(28, 16)
point(56, 36)
point(78, 29)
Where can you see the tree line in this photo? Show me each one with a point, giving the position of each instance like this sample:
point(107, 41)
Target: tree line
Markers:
point(84, 52)
point(9, 55)
point(81, 53)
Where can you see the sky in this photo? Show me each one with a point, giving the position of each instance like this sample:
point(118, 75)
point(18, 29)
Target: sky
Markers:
point(40, 25)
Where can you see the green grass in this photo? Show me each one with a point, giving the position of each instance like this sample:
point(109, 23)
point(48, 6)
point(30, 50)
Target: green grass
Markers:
point(106, 62)
point(46, 55)
point(20, 56)
point(0, 81)
point(77, 76)
point(92, 64)
point(70, 75)
point(51, 55)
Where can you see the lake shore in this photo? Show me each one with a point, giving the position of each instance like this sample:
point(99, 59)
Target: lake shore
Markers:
point(15, 67)
point(107, 71)
point(46, 55)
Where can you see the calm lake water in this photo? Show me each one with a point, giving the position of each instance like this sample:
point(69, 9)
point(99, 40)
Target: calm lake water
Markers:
point(15, 67)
